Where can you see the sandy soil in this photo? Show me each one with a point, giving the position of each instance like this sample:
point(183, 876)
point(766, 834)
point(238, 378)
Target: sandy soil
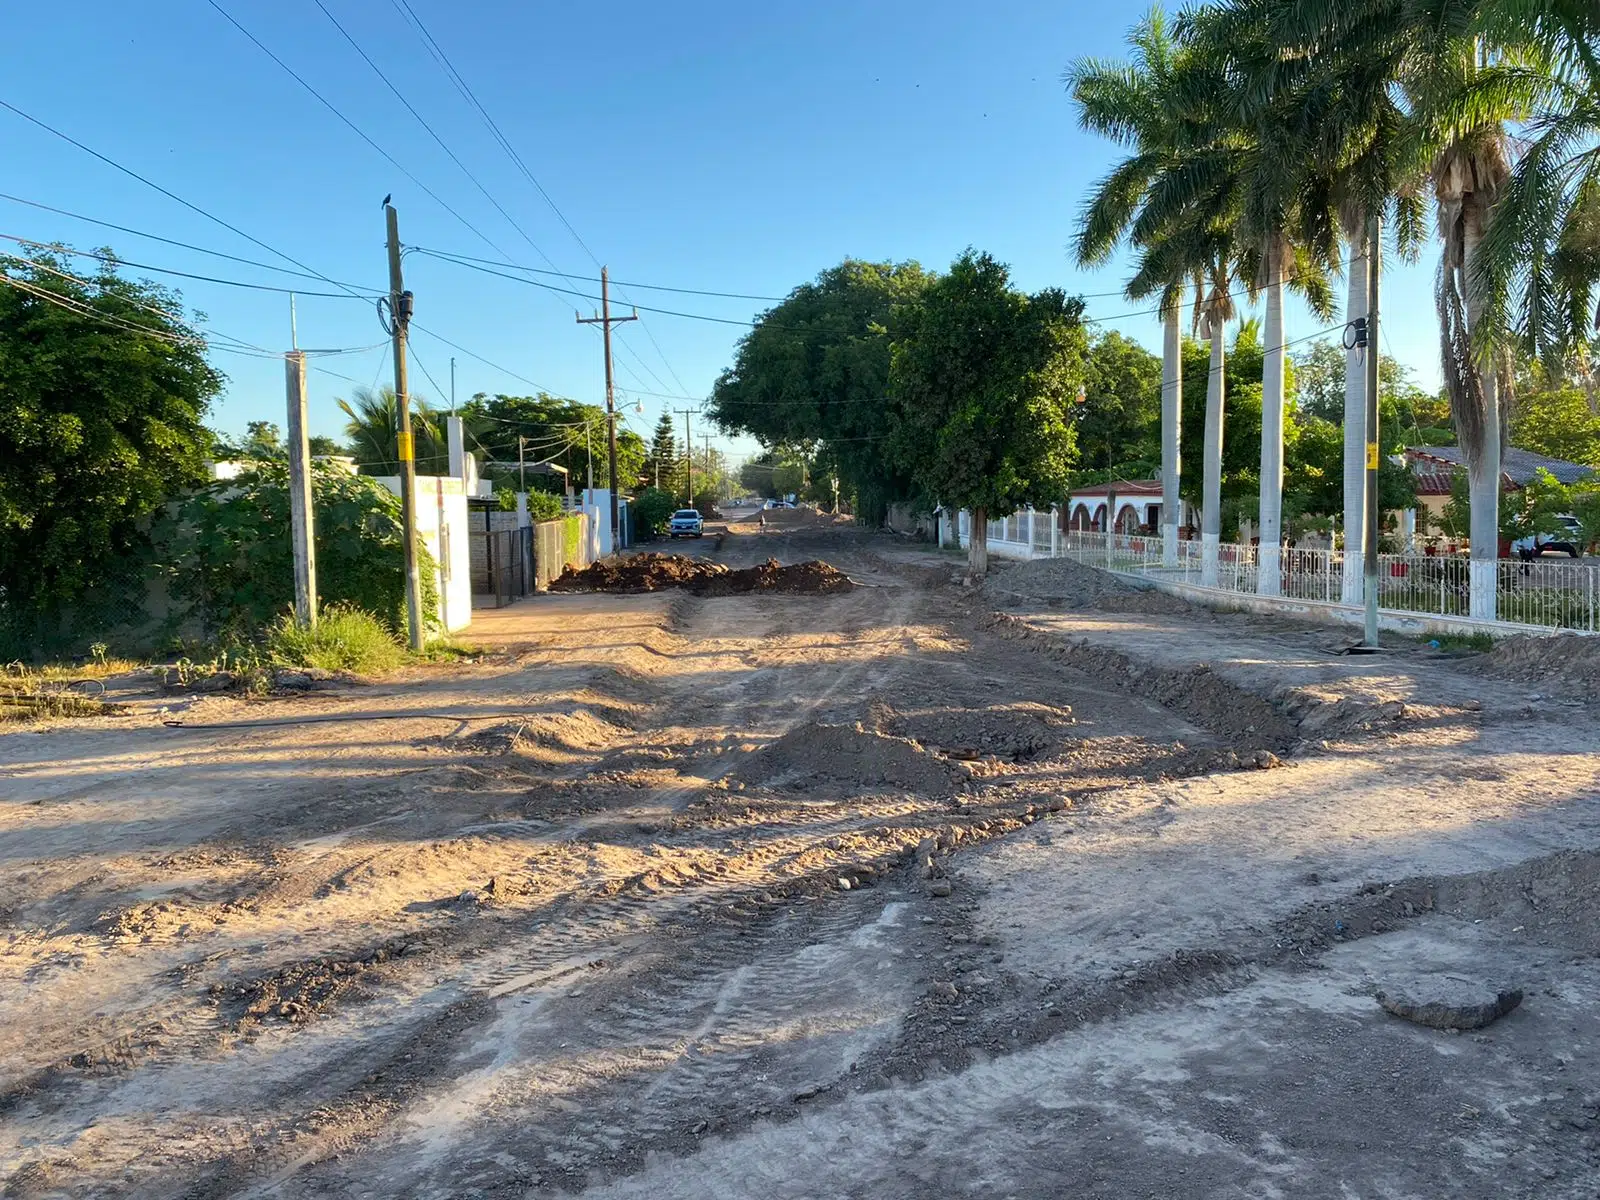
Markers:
point(1032, 890)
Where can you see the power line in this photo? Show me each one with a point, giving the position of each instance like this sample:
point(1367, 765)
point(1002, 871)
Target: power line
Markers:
point(113, 260)
point(473, 354)
point(354, 128)
point(155, 237)
point(131, 173)
point(443, 145)
point(649, 287)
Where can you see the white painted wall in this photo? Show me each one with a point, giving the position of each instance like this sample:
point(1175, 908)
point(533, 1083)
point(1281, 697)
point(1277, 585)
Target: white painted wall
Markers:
point(441, 516)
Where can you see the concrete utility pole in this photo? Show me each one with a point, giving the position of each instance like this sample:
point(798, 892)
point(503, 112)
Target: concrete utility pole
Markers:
point(399, 314)
point(1370, 641)
point(688, 449)
point(522, 465)
point(302, 532)
point(605, 320)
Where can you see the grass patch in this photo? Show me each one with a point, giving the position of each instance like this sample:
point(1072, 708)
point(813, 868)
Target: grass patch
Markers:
point(1479, 642)
point(343, 639)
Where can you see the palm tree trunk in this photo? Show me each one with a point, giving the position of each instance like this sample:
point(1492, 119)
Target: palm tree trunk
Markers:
point(1268, 572)
point(1171, 430)
point(1483, 450)
point(1355, 424)
point(978, 544)
point(1211, 493)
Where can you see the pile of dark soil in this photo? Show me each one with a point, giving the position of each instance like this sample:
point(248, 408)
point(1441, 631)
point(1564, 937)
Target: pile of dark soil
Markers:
point(651, 572)
point(816, 755)
point(1062, 583)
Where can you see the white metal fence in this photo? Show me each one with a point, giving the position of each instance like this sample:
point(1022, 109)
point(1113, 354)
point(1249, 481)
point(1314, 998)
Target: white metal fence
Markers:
point(1555, 595)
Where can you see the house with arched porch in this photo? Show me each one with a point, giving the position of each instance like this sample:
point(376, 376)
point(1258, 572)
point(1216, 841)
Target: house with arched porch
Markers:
point(1138, 507)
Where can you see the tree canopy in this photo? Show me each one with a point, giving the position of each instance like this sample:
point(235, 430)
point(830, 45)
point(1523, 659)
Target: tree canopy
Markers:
point(104, 385)
point(553, 430)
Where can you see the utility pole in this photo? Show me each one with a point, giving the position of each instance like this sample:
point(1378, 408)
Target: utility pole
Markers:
point(302, 533)
point(522, 466)
point(1370, 640)
point(399, 315)
point(605, 320)
point(706, 438)
point(688, 450)
point(452, 385)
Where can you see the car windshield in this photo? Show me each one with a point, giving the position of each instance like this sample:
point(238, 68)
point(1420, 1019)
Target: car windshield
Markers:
point(687, 514)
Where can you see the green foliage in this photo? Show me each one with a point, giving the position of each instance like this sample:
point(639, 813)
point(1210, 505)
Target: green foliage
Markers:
point(652, 509)
point(1119, 423)
point(572, 536)
point(814, 373)
point(1241, 426)
point(543, 506)
point(705, 503)
point(322, 446)
point(344, 638)
point(554, 430)
point(1455, 519)
point(781, 471)
point(1406, 413)
point(663, 465)
point(983, 381)
point(1560, 422)
point(228, 557)
point(99, 425)
point(372, 427)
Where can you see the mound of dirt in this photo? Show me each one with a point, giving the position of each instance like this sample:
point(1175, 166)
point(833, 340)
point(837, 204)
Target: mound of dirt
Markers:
point(1018, 732)
point(1566, 663)
point(1062, 583)
point(651, 572)
point(815, 755)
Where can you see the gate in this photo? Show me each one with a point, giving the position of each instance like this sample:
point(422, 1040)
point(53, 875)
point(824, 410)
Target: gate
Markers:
point(507, 571)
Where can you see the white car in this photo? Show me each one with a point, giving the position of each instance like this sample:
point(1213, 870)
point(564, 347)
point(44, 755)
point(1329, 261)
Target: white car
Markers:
point(686, 522)
point(1569, 543)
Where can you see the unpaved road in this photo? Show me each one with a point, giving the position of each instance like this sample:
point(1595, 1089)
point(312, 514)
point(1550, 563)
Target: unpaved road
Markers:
point(636, 908)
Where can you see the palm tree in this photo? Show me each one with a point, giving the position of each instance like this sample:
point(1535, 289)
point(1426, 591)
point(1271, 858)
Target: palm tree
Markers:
point(374, 421)
point(1136, 105)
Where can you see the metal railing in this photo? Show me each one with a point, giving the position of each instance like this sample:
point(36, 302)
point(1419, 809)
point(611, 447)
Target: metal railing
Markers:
point(1545, 593)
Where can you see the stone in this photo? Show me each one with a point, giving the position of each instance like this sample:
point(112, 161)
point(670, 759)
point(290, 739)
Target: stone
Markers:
point(945, 990)
point(940, 887)
point(292, 681)
point(1445, 1002)
point(844, 884)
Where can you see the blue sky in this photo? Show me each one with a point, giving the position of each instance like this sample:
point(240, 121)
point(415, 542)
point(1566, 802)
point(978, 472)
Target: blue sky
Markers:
point(709, 145)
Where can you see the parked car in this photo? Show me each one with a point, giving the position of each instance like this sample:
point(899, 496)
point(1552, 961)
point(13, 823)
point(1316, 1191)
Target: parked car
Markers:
point(1569, 542)
point(686, 522)
point(770, 504)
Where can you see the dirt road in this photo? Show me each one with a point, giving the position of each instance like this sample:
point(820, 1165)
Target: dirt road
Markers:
point(903, 891)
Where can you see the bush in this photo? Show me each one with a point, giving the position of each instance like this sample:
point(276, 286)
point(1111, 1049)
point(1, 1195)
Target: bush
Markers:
point(706, 504)
point(542, 506)
point(652, 509)
point(229, 558)
point(344, 639)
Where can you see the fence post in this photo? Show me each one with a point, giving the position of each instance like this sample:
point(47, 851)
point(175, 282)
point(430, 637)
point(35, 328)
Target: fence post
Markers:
point(1055, 531)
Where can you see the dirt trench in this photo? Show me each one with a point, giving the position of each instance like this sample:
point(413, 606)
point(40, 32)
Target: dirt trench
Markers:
point(740, 866)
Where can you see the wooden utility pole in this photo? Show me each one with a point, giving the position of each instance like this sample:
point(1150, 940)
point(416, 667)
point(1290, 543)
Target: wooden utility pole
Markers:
point(605, 320)
point(399, 312)
point(688, 451)
point(302, 532)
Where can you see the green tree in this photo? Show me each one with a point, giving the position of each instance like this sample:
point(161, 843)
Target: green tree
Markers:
point(372, 425)
point(228, 551)
point(663, 465)
point(983, 379)
point(1119, 423)
point(1559, 421)
point(324, 447)
point(652, 508)
point(814, 372)
point(103, 388)
point(553, 430)
point(1405, 411)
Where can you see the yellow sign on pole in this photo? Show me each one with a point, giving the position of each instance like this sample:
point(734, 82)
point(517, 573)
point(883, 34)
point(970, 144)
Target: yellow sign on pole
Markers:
point(1372, 456)
point(405, 442)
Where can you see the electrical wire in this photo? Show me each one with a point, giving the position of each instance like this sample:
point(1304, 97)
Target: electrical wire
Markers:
point(131, 173)
point(113, 260)
point(472, 354)
point(356, 129)
point(443, 145)
point(350, 288)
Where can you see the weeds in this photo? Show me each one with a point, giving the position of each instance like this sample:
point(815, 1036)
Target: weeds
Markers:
point(30, 701)
point(343, 639)
point(1480, 642)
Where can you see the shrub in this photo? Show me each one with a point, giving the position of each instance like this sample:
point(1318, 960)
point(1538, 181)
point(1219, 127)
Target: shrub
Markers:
point(229, 558)
point(344, 639)
point(542, 506)
point(652, 508)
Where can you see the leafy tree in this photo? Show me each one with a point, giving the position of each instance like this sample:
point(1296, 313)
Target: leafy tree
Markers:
point(228, 554)
point(325, 447)
point(1119, 422)
point(554, 430)
point(983, 379)
point(652, 508)
point(373, 429)
point(543, 506)
point(1559, 421)
point(103, 387)
point(814, 372)
point(1405, 411)
point(781, 471)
